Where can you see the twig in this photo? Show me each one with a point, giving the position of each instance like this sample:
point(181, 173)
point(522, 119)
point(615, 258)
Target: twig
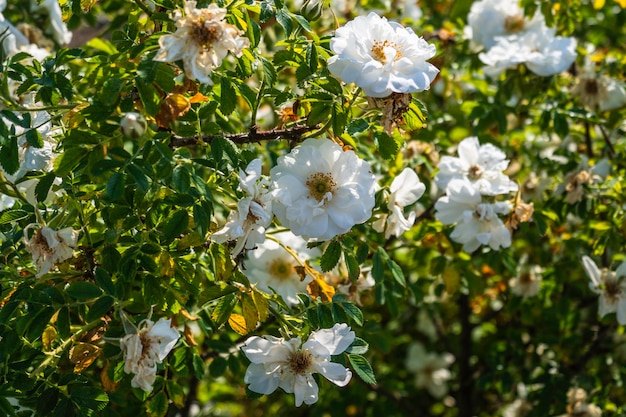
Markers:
point(607, 140)
point(254, 136)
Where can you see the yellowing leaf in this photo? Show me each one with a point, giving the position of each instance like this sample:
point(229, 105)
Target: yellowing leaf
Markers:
point(261, 305)
point(48, 336)
point(319, 288)
point(451, 278)
point(622, 3)
point(107, 383)
point(189, 336)
point(172, 108)
point(598, 4)
point(250, 313)
point(238, 324)
point(83, 355)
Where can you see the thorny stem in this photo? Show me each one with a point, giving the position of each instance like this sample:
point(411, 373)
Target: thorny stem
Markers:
point(254, 136)
point(54, 355)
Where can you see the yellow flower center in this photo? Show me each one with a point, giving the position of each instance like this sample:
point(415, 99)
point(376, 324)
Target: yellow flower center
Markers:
point(320, 184)
point(513, 24)
point(300, 362)
point(378, 51)
point(281, 269)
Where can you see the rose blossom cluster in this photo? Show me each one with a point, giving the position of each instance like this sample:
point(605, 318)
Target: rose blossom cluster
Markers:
point(471, 182)
point(509, 39)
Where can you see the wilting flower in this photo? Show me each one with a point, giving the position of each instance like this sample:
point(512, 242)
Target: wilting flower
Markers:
point(540, 50)
point(202, 40)
point(477, 223)
point(271, 267)
point(405, 190)
point(381, 57)
point(49, 246)
point(577, 405)
point(482, 165)
point(527, 282)
point(247, 224)
point(56, 26)
point(431, 369)
point(145, 348)
point(597, 91)
point(610, 286)
point(489, 19)
point(321, 191)
point(290, 365)
point(133, 125)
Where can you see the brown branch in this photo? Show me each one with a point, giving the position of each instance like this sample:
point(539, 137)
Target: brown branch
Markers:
point(253, 136)
point(607, 140)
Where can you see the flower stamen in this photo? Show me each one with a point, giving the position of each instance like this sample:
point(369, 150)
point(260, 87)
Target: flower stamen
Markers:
point(514, 23)
point(205, 36)
point(281, 269)
point(321, 184)
point(378, 51)
point(300, 361)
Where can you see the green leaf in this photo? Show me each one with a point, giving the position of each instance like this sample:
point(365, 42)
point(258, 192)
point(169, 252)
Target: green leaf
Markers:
point(68, 160)
point(43, 186)
point(353, 312)
point(176, 225)
point(223, 308)
point(83, 290)
point(149, 97)
point(9, 158)
point(228, 97)
point(396, 272)
point(158, 405)
point(358, 347)
point(269, 72)
point(9, 216)
point(100, 308)
point(387, 146)
point(362, 367)
point(218, 366)
point(311, 57)
point(115, 186)
point(378, 269)
point(139, 176)
point(285, 21)
point(103, 279)
point(331, 256)
point(34, 138)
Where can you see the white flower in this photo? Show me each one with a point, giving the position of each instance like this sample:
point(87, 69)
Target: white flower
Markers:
point(321, 191)
point(381, 57)
point(541, 51)
point(271, 267)
point(489, 19)
point(527, 282)
point(290, 365)
point(610, 287)
point(405, 190)
point(430, 368)
point(520, 407)
point(49, 246)
point(482, 165)
point(202, 40)
point(55, 25)
point(247, 224)
point(597, 91)
point(146, 348)
point(477, 223)
point(578, 406)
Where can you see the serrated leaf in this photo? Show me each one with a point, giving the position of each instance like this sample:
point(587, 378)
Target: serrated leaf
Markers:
point(331, 256)
point(68, 160)
point(43, 186)
point(283, 19)
point(103, 279)
point(9, 216)
point(353, 312)
point(387, 146)
point(48, 337)
point(100, 308)
point(9, 158)
point(176, 224)
point(115, 186)
point(223, 308)
point(362, 368)
point(269, 72)
point(238, 323)
point(358, 347)
point(139, 176)
point(261, 305)
point(354, 270)
point(396, 272)
point(82, 355)
point(83, 290)
point(228, 97)
point(34, 138)
point(158, 405)
point(250, 313)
